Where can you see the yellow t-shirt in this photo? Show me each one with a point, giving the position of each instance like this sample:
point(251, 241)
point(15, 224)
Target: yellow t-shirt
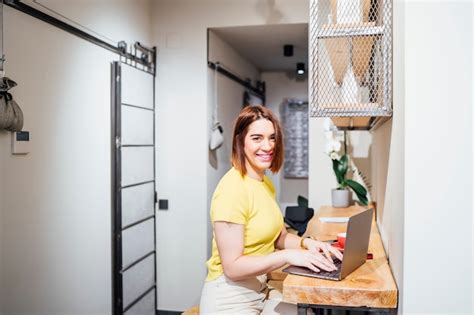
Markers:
point(246, 201)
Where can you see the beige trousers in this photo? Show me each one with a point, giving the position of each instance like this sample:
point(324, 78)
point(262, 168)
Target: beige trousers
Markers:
point(242, 297)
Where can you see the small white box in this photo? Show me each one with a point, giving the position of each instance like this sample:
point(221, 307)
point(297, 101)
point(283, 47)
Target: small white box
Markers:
point(20, 142)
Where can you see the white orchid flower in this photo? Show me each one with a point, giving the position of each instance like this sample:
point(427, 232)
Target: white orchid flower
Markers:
point(334, 156)
point(333, 146)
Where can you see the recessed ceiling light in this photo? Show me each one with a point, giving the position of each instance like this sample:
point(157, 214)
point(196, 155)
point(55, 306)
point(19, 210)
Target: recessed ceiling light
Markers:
point(300, 68)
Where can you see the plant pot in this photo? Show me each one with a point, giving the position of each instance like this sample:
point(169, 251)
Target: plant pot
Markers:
point(341, 198)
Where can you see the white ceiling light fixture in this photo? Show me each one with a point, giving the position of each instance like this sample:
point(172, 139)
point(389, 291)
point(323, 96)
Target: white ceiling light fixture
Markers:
point(300, 68)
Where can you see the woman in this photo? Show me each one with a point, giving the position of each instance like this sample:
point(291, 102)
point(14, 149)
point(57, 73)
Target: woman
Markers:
point(248, 224)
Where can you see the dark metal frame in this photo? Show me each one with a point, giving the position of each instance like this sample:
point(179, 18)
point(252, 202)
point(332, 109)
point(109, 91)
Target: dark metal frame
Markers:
point(116, 173)
point(149, 65)
point(116, 199)
point(245, 83)
point(320, 309)
point(2, 56)
point(155, 198)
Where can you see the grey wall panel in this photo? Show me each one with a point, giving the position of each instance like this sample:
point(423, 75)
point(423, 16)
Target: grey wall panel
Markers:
point(137, 241)
point(138, 279)
point(137, 125)
point(137, 87)
point(146, 306)
point(137, 203)
point(137, 165)
point(295, 121)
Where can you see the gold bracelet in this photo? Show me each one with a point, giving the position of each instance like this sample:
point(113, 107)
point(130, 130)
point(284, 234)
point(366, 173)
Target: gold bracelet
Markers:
point(302, 245)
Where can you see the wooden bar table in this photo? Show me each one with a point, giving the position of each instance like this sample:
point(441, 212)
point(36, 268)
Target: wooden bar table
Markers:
point(371, 287)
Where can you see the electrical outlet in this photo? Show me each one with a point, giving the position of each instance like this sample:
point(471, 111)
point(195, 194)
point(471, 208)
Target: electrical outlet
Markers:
point(163, 204)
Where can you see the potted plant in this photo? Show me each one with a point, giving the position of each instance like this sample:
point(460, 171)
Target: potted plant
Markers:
point(341, 196)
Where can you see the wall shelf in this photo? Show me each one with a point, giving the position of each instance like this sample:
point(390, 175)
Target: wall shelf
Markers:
point(350, 61)
point(350, 29)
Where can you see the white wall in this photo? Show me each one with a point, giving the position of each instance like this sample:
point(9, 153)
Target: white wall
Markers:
point(322, 178)
point(381, 150)
point(229, 96)
point(179, 30)
point(281, 86)
point(55, 202)
point(438, 205)
point(106, 18)
point(388, 152)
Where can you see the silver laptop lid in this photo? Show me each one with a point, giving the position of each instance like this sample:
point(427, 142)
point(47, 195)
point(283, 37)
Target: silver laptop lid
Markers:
point(357, 242)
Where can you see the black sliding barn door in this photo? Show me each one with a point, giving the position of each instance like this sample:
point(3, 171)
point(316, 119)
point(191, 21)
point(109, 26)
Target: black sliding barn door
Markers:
point(133, 191)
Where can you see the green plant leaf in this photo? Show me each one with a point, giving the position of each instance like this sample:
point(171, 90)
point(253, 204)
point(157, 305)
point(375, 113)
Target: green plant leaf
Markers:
point(335, 167)
point(360, 191)
point(302, 201)
point(344, 165)
point(340, 168)
point(358, 188)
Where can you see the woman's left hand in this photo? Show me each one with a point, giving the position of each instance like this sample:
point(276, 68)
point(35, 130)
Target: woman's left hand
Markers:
point(326, 248)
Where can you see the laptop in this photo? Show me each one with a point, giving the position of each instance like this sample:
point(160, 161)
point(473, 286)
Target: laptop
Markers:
point(355, 250)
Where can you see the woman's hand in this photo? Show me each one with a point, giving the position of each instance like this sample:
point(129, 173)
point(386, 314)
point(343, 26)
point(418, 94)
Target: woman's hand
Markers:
point(309, 258)
point(325, 248)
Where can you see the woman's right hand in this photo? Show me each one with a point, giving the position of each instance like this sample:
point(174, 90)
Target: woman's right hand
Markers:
point(308, 259)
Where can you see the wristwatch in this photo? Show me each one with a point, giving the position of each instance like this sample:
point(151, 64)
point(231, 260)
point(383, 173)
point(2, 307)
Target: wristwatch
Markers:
point(302, 245)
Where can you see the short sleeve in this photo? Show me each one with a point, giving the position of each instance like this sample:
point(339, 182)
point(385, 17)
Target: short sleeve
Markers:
point(270, 186)
point(230, 203)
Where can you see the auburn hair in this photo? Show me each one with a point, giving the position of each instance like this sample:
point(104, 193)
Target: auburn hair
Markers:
point(246, 117)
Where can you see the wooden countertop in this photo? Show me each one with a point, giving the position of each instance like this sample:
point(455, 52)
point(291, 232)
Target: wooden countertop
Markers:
point(371, 285)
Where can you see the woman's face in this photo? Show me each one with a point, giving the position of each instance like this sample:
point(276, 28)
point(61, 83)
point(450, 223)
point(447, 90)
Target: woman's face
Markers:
point(259, 144)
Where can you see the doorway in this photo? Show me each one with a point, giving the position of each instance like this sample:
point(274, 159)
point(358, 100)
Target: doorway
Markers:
point(265, 58)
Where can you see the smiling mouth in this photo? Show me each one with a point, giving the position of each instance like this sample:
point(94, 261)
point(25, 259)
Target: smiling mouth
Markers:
point(265, 157)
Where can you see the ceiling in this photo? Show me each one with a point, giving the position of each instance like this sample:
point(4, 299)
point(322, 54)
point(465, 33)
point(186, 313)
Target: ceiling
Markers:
point(262, 45)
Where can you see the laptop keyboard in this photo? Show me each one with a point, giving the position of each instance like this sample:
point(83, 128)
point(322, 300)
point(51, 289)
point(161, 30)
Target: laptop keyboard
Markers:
point(331, 274)
point(322, 273)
